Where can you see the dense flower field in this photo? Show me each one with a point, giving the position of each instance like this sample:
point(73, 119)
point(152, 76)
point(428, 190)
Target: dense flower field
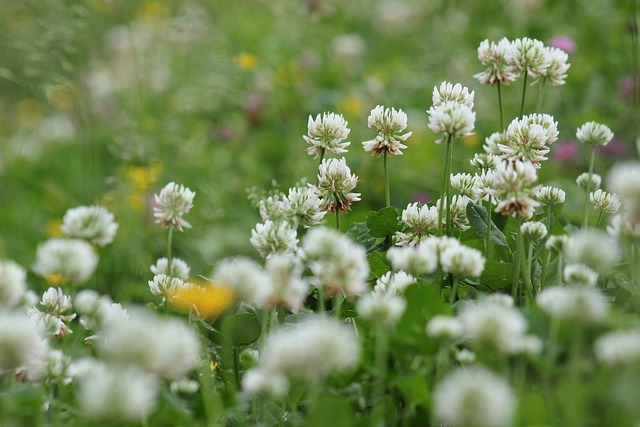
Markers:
point(319, 213)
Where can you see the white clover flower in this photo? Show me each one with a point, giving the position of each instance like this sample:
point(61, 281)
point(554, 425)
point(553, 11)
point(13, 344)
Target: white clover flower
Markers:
point(55, 301)
point(166, 347)
point(624, 180)
point(327, 133)
point(514, 185)
point(605, 202)
point(273, 208)
point(23, 346)
point(265, 382)
point(173, 202)
point(474, 397)
point(528, 345)
point(289, 287)
point(451, 119)
point(304, 206)
point(465, 184)
point(13, 283)
point(527, 139)
point(179, 268)
point(444, 327)
point(557, 243)
point(335, 182)
point(504, 300)
point(451, 92)
point(528, 56)
point(389, 123)
point(575, 304)
point(184, 386)
point(462, 260)
point(311, 351)
point(381, 308)
point(273, 237)
point(420, 221)
point(466, 357)
point(48, 323)
point(493, 55)
point(550, 196)
point(57, 365)
point(589, 184)
point(94, 224)
point(393, 283)
point(592, 248)
point(246, 278)
point(116, 393)
point(163, 285)
point(593, 133)
point(65, 260)
point(489, 324)
point(492, 142)
point(457, 213)
point(556, 73)
point(623, 225)
point(484, 185)
point(618, 348)
point(484, 161)
point(579, 274)
point(534, 230)
point(416, 261)
point(336, 262)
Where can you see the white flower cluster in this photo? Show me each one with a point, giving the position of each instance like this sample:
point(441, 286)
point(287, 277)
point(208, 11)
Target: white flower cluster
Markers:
point(624, 180)
point(493, 55)
point(593, 133)
point(23, 347)
point(451, 113)
point(419, 222)
point(13, 283)
point(618, 348)
point(527, 139)
point(272, 237)
point(95, 309)
point(62, 260)
point(94, 224)
point(326, 134)
point(179, 268)
point(173, 202)
point(389, 123)
point(551, 196)
point(514, 183)
point(335, 183)
point(52, 319)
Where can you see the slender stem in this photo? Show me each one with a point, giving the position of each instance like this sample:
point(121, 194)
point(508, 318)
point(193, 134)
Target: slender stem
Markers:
point(585, 217)
point(540, 95)
point(524, 93)
point(635, 66)
point(560, 268)
point(274, 318)
point(337, 220)
point(500, 107)
point(236, 367)
point(454, 288)
point(599, 219)
point(265, 321)
point(337, 304)
point(515, 290)
point(446, 185)
point(387, 191)
point(545, 252)
point(320, 300)
point(489, 243)
point(527, 275)
point(319, 164)
point(381, 365)
point(169, 254)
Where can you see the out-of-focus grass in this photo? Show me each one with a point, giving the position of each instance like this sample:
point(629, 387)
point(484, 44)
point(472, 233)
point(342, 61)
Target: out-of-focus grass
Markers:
point(105, 101)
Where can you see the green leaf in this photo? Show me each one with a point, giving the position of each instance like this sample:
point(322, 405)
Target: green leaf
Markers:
point(478, 221)
point(359, 233)
point(378, 264)
point(240, 329)
point(497, 275)
point(331, 410)
point(383, 223)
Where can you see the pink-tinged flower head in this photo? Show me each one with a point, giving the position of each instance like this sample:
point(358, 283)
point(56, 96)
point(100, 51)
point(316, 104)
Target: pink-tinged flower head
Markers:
point(171, 204)
point(389, 123)
point(563, 42)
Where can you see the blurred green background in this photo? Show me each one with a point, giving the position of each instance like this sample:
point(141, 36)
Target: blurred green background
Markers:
point(106, 101)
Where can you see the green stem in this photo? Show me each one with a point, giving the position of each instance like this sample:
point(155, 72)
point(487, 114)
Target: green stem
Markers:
point(585, 217)
point(524, 93)
point(515, 290)
point(560, 267)
point(337, 220)
point(381, 365)
point(265, 321)
point(387, 191)
point(445, 197)
point(274, 318)
point(635, 67)
point(321, 308)
point(576, 407)
point(454, 288)
point(550, 358)
point(545, 252)
point(500, 107)
point(337, 304)
point(599, 219)
point(527, 276)
point(489, 243)
point(540, 95)
point(236, 366)
point(169, 253)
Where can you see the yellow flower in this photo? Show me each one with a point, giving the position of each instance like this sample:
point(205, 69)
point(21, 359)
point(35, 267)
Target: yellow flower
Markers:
point(153, 13)
point(143, 176)
point(471, 140)
point(213, 365)
point(352, 105)
point(28, 112)
point(206, 299)
point(53, 228)
point(246, 61)
point(56, 279)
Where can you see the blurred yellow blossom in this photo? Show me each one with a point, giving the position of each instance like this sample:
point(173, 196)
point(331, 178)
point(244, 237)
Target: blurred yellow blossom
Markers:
point(56, 279)
point(471, 141)
point(153, 13)
point(351, 105)
point(141, 177)
point(246, 61)
point(104, 6)
point(28, 112)
point(53, 228)
point(62, 96)
point(206, 299)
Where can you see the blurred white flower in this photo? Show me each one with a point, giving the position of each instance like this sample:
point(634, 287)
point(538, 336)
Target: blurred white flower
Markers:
point(57, 364)
point(416, 261)
point(22, 344)
point(265, 382)
point(381, 308)
point(273, 208)
point(13, 283)
point(246, 278)
point(393, 283)
point(184, 386)
point(593, 248)
point(593, 133)
point(579, 274)
point(65, 260)
point(444, 327)
point(605, 202)
point(173, 202)
point(462, 260)
point(116, 393)
point(274, 237)
point(94, 224)
point(327, 133)
point(466, 357)
point(336, 262)
point(311, 351)
point(618, 348)
point(584, 305)
point(587, 183)
point(179, 268)
point(533, 230)
point(335, 182)
point(474, 397)
point(389, 123)
point(557, 243)
point(289, 287)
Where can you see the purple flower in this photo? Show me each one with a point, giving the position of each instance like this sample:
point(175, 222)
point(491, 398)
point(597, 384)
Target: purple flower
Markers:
point(563, 42)
point(615, 148)
point(565, 151)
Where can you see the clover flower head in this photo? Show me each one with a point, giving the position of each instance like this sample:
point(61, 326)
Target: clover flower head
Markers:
point(484, 161)
point(444, 327)
point(381, 308)
point(457, 213)
point(94, 224)
point(550, 196)
point(335, 182)
point(273, 208)
point(528, 138)
point(492, 142)
point(414, 260)
point(465, 184)
point(556, 72)
point(605, 202)
point(534, 230)
point(592, 248)
point(272, 237)
point(452, 92)
point(585, 305)
point(420, 221)
point(579, 274)
point(589, 184)
point(557, 243)
point(452, 119)
point(389, 123)
point(265, 382)
point(178, 269)
point(593, 133)
point(23, 346)
point(528, 56)
point(304, 207)
point(290, 289)
point(173, 202)
point(494, 56)
point(474, 397)
point(393, 283)
point(327, 133)
point(13, 283)
point(250, 282)
point(462, 260)
point(61, 260)
point(618, 348)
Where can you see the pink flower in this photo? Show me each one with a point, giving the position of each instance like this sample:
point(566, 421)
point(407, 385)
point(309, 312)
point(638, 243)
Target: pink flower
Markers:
point(615, 148)
point(563, 42)
point(565, 151)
